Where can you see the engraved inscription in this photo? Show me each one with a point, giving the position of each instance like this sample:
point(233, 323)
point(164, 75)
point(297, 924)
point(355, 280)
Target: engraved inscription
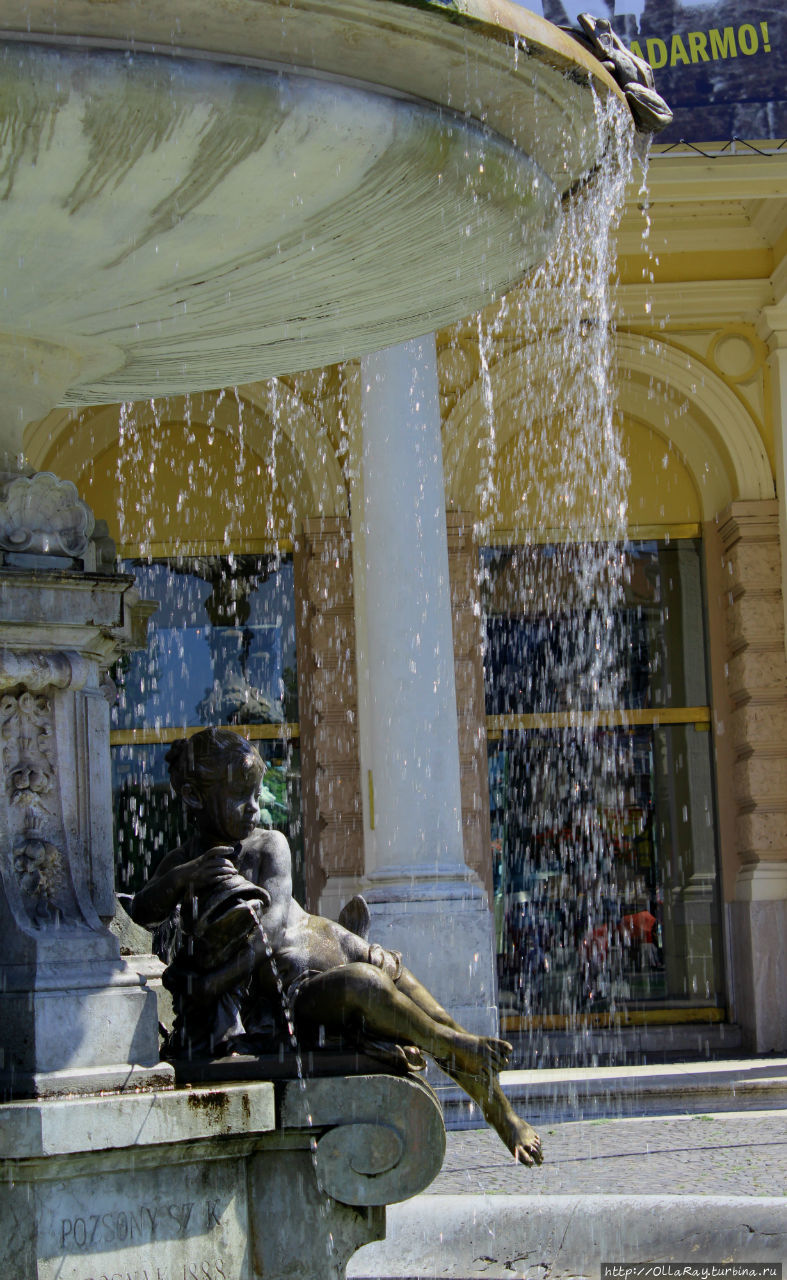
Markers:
point(184, 1223)
point(186, 1271)
point(143, 1224)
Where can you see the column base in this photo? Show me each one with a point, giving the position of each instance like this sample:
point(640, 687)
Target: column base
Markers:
point(78, 1022)
point(444, 929)
point(762, 882)
point(336, 891)
point(758, 943)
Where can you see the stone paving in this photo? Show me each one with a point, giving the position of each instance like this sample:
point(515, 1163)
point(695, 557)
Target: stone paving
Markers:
point(738, 1154)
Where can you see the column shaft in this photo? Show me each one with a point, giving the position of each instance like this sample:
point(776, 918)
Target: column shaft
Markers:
point(424, 899)
point(414, 741)
point(756, 680)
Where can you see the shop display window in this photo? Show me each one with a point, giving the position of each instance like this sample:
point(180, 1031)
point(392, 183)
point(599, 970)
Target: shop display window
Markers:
point(601, 786)
point(220, 651)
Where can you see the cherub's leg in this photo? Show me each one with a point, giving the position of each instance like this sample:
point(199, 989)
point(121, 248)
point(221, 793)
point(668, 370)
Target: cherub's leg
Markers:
point(521, 1138)
point(361, 995)
point(409, 985)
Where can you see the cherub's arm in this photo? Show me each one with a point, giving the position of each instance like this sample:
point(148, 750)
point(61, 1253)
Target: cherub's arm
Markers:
point(175, 877)
point(270, 866)
point(267, 862)
point(164, 890)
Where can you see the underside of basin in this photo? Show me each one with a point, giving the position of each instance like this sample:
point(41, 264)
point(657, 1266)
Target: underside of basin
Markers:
point(195, 196)
point(193, 226)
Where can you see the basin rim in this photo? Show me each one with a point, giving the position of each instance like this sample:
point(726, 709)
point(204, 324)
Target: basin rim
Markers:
point(413, 49)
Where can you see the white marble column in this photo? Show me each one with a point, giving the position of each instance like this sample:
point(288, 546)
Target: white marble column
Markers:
point(424, 899)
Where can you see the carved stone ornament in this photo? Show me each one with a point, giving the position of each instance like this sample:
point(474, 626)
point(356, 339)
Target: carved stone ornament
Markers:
point(43, 515)
point(40, 870)
point(26, 729)
point(634, 75)
point(29, 768)
point(38, 670)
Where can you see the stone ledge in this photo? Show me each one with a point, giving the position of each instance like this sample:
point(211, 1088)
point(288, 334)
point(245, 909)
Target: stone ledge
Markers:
point(60, 1126)
point(456, 1236)
point(129, 1078)
point(207, 1182)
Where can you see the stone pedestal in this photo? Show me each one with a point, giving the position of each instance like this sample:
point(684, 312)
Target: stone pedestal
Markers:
point(758, 935)
point(73, 1015)
point(756, 678)
point(206, 1184)
point(424, 899)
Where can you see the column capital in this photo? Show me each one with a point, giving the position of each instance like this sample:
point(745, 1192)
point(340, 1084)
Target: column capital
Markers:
point(754, 519)
point(772, 326)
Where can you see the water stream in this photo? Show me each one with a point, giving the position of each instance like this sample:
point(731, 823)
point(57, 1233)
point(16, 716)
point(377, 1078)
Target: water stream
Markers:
point(555, 660)
point(552, 590)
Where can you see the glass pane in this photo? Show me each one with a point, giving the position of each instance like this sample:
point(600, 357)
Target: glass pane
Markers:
point(605, 870)
point(221, 650)
point(221, 646)
point(552, 647)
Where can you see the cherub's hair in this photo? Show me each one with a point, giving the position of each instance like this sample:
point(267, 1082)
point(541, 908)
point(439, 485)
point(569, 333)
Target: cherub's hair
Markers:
point(210, 756)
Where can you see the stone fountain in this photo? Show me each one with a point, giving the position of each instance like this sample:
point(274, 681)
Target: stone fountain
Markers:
point(193, 195)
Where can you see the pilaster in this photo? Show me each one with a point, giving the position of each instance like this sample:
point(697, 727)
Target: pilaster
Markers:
point(773, 329)
point(328, 710)
point(756, 678)
point(463, 573)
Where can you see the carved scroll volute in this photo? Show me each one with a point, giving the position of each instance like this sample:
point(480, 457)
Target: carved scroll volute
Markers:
point(38, 671)
point(382, 1143)
point(35, 863)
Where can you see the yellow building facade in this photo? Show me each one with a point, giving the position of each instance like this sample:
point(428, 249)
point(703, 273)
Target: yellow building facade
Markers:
point(254, 489)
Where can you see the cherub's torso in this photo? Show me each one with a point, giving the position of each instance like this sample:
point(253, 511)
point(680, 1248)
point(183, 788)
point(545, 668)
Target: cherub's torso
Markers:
point(299, 942)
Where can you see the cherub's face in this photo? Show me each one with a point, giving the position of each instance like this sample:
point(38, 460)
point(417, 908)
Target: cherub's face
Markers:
point(231, 809)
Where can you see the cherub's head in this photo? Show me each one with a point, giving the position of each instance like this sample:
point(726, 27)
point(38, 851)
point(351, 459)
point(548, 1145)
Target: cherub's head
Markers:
point(218, 775)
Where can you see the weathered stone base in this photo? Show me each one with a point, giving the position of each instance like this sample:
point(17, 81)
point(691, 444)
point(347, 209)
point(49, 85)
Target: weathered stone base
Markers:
point(445, 934)
point(76, 1024)
point(120, 1077)
point(206, 1183)
point(758, 940)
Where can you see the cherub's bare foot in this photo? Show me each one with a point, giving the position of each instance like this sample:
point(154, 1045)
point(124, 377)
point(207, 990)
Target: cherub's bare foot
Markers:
point(521, 1138)
point(475, 1055)
point(522, 1141)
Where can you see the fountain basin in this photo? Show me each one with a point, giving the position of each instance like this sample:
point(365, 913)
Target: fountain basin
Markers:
point(195, 196)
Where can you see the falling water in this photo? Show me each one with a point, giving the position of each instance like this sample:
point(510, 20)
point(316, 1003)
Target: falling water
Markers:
point(326, 1204)
point(563, 475)
point(555, 652)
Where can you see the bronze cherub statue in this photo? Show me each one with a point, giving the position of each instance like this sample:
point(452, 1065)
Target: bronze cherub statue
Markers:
point(247, 950)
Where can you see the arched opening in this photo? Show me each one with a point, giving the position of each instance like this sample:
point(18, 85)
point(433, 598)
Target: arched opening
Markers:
point(688, 446)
